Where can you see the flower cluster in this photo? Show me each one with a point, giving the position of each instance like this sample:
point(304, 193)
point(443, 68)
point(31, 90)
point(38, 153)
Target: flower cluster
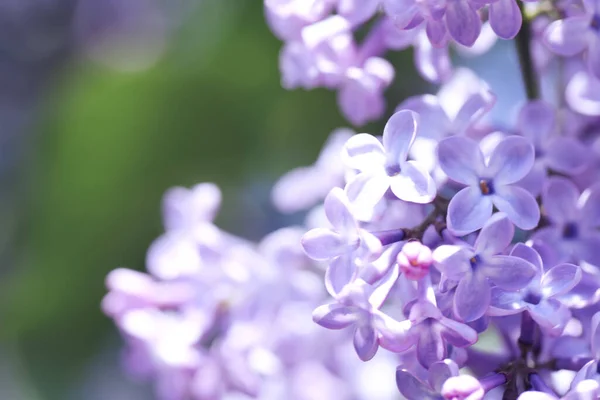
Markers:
point(326, 45)
point(463, 250)
point(217, 316)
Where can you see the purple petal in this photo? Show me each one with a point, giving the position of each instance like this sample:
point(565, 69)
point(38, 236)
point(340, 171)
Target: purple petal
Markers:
point(364, 191)
point(440, 371)
point(560, 198)
point(529, 254)
point(535, 180)
point(399, 133)
point(472, 297)
point(433, 121)
point(436, 32)
point(452, 261)
point(505, 18)
point(595, 335)
point(560, 279)
point(394, 335)
point(589, 248)
point(365, 342)
point(468, 211)
point(337, 209)
point(339, 273)
point(567, 155)
point(594, 56)
point(473, 109)
point(431, 347)
point(568, 36)
point(461, 159)
point(364, 152)
point(433, 63)
point(401, 12)
point(463, 22)
point(585, 293)
point(505, 303)
point(537, 120)
point(591, 206)
point(335, 316)
point(361, 99)
point(413, 183)
point(508, 272)
point(495, 236)
point(551, 316)
point(511, 160)
point(412, 388)
point(519, 205)
point(457, 334)
point(323, 244)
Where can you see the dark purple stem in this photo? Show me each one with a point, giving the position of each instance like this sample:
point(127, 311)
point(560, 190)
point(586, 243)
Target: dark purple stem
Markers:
point(389, 237)
point(527, 338)
point(493, 381)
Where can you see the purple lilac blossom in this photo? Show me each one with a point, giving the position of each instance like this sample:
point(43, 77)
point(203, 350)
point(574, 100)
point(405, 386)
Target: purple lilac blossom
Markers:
point(574, 220)
point(474, 268)
point(489, 183)
point(384, 165)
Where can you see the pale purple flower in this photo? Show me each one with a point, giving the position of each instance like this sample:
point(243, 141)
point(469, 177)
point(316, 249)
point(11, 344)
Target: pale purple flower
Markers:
point(590, 370)
point(585, 390)
point(412, 387)
point(431, 333)
point(541, 298)
point(360, 95)
point(385, 166)
point(287, 18)
point(303, 187)
point(574, 220)
point(576, 33)
point(489, 183)
point(474, 268)
point(566, 155)
point(345, 246)
point(457, 19)
point(358, 306)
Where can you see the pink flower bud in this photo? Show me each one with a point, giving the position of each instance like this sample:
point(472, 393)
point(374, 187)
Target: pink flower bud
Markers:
point(414, 260)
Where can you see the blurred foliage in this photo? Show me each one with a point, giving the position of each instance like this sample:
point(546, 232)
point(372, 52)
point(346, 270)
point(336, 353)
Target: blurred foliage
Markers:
point(108, 145)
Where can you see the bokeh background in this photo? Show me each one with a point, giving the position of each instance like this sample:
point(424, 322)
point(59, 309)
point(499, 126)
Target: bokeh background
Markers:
point(104, 104)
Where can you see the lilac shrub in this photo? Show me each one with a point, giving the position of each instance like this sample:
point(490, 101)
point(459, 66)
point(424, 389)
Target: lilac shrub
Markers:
point(461, 250)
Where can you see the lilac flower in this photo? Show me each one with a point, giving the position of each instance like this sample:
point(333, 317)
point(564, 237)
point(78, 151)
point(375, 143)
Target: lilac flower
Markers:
point(384, 167)
point(344, 246)
point(462, 387)
point(541, 298)
point(287, 18)
point(412, 387)
point(585, 390)
point(489, 183)
point(358, 306)
point(590, 369)
point(303, 187)
point(475, 267)
point(430, 332)
point(456, 18)
point(566, 155)
point(360, 96)
point(577, 33)
point(574, 220)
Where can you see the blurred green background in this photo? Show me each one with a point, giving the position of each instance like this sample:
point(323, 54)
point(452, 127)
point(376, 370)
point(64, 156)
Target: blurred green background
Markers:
point(104, 145)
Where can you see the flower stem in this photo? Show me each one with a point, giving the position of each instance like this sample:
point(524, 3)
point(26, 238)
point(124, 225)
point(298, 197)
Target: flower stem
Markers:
point(523, 43)
point(538, 384)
